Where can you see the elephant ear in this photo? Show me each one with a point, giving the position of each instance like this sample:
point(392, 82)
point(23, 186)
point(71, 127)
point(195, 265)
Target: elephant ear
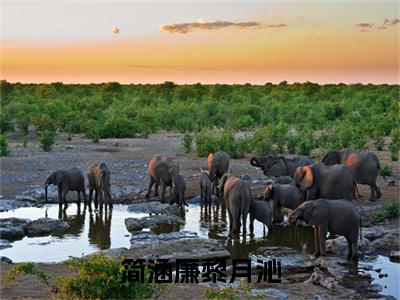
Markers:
point(298, 176)
point(58, 177)
point(268, 193)
point(209, 161)
point(316, 214)
point(308, 178)
point(285, 162)
point(224, 178)
point(331, 158)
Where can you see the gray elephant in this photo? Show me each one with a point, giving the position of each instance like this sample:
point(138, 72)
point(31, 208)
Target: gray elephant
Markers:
point(364, 165)
point(161, 170)
point(282, 195)
point(330, 182)
point(336, 216)
point(205, 186)
point(283, 180)
point(179, 189)
point(67, 180)
point(237, 197)
point(99, 182)
point(280, 165)
point(260, 211)
point(218, 165)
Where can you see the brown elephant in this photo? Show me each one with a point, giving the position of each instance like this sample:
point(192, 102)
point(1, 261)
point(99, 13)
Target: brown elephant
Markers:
point(67, 180)
point(179, 189)
point(364, 165)
point(99, 177)
point(329, 182)
point(218, 165)
point(279, 165)
point(237, 198)
point(205, 186)
point(336, 216)
point(161, 170)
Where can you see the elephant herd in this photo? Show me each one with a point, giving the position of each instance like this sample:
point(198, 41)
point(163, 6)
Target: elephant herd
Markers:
point(318, 193)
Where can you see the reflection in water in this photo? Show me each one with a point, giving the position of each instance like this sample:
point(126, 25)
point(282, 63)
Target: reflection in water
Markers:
point(100, 228)
point(76, 222)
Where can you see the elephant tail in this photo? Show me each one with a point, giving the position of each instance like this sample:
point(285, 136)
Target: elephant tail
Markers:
point(380, 169)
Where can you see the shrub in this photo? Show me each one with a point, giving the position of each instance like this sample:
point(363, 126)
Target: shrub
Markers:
point(25, 140)
point(306, 143)
point(99, 277)
point(386, 170)
point(46, 139)
point(394, 145)
point(390, 210)
point(262, 142)
point(205, 144)
point(187, 140)
point(92, 131)
point(378, 140)
point(26, 268)
point(4, 148)
point(5, 121)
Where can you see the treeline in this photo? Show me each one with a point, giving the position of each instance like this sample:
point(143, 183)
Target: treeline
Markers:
point(335, 116)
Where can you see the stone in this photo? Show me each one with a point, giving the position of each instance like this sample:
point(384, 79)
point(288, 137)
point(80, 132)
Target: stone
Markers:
point(4, 244)
point(179, 249)
point(46, 226)
point(391, 182)
point(5, 259)
point(134, 224)
point(154, 207)
point(6, 205)
point(388, 242)
point(111, 253)
point(152, 238)
point(319, 278)
point(270, 293)
point(394, 256)
point(12, 228)
point(339, 246)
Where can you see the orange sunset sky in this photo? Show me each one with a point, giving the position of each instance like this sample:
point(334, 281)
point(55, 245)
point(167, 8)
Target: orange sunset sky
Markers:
point(200, 41)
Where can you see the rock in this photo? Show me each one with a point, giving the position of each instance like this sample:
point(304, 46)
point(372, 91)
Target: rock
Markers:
point(373, 233)
point(375, 288)
point(111, 253)
point(245, 177)
point(388, 242)
point(151, 238)
point(270, 293)
point(4, 244)
point(45, 226)
point(391, 182)
point(6, 205)
point(318, 277)
point(255, 181)
point(11, 228)
point(394, 256)
point(6, 259)
point(154, 207)
point(25, 198)
point(339, 246)
point(179, 249)
point(133, 224)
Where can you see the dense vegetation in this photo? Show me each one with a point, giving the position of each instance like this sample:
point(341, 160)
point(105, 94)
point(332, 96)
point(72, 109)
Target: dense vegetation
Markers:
point(293, 118)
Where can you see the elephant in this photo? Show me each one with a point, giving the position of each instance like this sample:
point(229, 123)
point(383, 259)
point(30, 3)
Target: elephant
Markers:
point(339, 217)
point(237, 198)
point(364, 165)
point(67, 180)
point(179, 189)
point(161, 170)
point(218, 165)
point(260, 211)
point(330, 182)
point(205, 186)
point(283, 180)
point(280, 165)
point(99, 181)
point(282, 195)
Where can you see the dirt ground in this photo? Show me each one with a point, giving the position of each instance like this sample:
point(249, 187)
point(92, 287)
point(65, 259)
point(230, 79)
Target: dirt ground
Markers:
point(27, 168)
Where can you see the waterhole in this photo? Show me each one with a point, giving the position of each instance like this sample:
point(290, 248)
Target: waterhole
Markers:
point(92, 231)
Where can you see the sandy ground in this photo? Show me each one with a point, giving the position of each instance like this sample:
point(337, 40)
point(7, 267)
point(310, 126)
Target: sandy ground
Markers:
point(27, 169)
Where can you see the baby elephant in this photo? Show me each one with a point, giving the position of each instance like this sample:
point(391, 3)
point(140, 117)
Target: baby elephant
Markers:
point(336, 216)
point(99, 181)
point(260, 211)
point(67, 180)
point(179, 189)
point(237, 197)
point(205, 186)
point(282, 195)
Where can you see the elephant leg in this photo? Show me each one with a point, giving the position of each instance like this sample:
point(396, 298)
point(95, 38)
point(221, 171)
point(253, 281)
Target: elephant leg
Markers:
point(355, 249)
point(235, 220)
point(378, 191)
point(60, 197)
point(156, 185)
point(230, 220)
point(79, 197)
point(316, 241)
point(90, 194)
point(372, 197)
point(322, 231)
point(163, 187)
point(64, 196)
point(96, 198)
point(149, 189)
point(349, 248)
point(244, 221)
point(252, 222)
point(201, 193)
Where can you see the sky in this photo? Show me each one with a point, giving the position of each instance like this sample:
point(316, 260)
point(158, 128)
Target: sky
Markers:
point(194, 41)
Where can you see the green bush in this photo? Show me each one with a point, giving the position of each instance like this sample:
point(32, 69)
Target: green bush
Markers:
point(386, 170)
point(5, 121)
point(262, 142)
point(4, 148)
point(26, 268)
point(205, 144)
point(187, 140)
point(394, 145)
point(99, 277)
point(46, 139)
point(390, 210)
point(378, 140)
point(92, 131)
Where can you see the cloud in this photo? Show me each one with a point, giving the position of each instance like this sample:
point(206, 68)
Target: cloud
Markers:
point(389, 22)
point(364, 25)
point(184, 28)
point(276, 25)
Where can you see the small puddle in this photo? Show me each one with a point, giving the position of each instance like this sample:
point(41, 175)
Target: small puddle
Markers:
point(89, 232)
